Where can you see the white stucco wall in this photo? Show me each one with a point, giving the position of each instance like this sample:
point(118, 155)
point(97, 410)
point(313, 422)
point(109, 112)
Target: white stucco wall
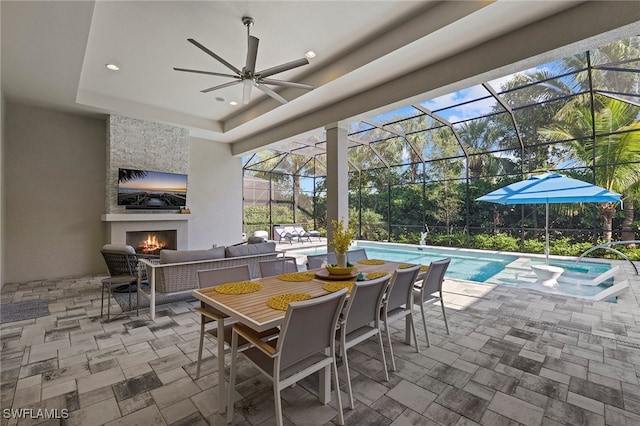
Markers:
point(54, 193)
point(3, 222)
point(55, 178)
point(215, 195)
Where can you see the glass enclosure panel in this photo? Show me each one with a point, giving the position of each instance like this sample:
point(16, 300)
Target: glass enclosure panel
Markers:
point(376, 178)
point(407, 215)
point(444, 204)
point(487, 134)
point(547, 90)
point(455, 102)
point(320, 165)
point(395, 116)
point(265, 160)
point(407, 173)
point(425, 164)
point(305, 204)
point(418, 123)
point(539, 123)
point(437, 143)
point(475, 109)
point(373, 135)
point(293, 164)
point(394, 151)
point(364, 157)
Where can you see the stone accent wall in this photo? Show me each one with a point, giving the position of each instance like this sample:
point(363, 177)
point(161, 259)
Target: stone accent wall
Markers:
point(139, 144)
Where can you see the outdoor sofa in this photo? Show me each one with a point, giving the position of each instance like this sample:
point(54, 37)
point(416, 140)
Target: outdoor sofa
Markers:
point(176, 271)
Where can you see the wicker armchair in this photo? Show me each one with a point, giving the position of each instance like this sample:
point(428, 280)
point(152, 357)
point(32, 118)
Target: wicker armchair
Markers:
point(122, 263)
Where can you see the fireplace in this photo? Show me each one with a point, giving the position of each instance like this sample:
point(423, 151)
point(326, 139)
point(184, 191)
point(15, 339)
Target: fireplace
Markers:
point(119, 225)
point(151, 242)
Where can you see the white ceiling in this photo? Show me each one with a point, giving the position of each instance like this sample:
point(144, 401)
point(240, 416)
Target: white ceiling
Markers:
point(54, 52)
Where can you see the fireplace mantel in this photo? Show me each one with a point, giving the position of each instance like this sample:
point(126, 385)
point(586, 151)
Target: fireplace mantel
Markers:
point(119, 224)
point(114, 217)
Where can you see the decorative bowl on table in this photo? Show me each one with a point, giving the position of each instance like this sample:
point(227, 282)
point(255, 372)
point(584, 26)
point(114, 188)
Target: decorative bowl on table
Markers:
point(338, 270)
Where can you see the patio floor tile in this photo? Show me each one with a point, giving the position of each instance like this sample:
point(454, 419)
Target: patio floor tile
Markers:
point(513, 357)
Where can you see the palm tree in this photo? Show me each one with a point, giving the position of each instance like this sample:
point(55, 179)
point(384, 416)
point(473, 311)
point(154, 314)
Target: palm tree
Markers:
point(614, 153)
point(125, 175)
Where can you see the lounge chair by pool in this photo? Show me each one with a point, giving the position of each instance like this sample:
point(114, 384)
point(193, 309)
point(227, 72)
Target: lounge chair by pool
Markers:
point(611, 292)
point(584, 279)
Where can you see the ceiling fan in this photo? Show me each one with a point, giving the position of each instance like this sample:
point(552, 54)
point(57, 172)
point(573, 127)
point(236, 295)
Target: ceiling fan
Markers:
point(248, 75)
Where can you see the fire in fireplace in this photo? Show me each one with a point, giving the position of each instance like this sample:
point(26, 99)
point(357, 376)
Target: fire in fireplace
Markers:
point(151, 242)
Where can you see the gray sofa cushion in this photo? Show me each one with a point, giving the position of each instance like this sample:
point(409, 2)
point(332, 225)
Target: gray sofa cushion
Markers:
point(118, 247)
point(178, 256)
point(250, 249)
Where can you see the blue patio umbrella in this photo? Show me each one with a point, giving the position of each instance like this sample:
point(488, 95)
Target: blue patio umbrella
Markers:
point(549, 188)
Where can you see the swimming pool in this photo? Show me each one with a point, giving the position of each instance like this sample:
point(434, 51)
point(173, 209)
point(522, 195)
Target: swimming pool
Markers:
point(479, 265)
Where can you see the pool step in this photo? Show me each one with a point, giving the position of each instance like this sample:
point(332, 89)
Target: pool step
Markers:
point(517, 272)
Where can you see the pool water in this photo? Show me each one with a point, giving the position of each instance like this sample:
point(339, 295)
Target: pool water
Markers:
point(470, 266)
point(479, 266)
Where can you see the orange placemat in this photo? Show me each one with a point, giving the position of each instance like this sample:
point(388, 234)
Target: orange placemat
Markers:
point(406, 266)
point(371, 262)
point(374, 275)
point(296, 277)
point(281, 302)
point(338, 285)
point(239, 287)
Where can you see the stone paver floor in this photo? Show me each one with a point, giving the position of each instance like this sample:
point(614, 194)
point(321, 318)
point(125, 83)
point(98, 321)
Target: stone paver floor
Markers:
point(513, 357)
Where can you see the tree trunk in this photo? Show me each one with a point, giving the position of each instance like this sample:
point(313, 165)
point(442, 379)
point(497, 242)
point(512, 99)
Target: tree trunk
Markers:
point(627, 223)
point(608, 211)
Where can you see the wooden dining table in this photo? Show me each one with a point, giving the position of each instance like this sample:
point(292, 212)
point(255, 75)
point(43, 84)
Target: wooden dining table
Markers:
point(251, 309)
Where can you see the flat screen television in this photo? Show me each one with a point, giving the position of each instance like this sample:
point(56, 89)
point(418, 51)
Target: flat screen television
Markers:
point(146, 189)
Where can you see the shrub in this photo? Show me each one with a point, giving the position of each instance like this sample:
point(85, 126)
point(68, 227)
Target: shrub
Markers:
point(533, 246)
point(500, 242)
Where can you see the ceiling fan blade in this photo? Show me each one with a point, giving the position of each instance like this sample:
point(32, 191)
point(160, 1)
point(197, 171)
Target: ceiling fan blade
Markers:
point(286, 84)
point(206, 72)
point(282, 68)
point(222, 86)
point(214, 56)
point(271, 93)
point(252, 53)
point(246, 91)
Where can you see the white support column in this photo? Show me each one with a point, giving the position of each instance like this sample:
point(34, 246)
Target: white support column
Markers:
point(337, 177)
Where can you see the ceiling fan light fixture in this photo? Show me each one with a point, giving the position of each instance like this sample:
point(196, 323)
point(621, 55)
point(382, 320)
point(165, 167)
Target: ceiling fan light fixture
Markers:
point(248, 75)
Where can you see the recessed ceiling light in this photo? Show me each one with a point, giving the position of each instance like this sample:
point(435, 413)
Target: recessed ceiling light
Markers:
point(233, 103)
point(112, 67)
point(310, 54)
point(220, 99)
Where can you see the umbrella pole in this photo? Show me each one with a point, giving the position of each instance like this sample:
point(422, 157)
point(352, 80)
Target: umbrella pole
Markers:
point(546, 232)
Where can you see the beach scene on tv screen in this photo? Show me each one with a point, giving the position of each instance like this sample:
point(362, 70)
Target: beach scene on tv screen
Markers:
point(148, 189)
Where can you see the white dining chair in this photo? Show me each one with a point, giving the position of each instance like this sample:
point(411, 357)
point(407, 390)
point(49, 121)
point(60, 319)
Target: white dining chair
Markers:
point(360, 320)
point(358, 254)
point(315, 261)
point(398, 304)
point(306, 345)
point(222, 331)
point(280, 265)
point(431, 291)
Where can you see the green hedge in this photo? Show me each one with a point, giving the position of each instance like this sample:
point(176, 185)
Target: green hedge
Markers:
point(502, 242)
